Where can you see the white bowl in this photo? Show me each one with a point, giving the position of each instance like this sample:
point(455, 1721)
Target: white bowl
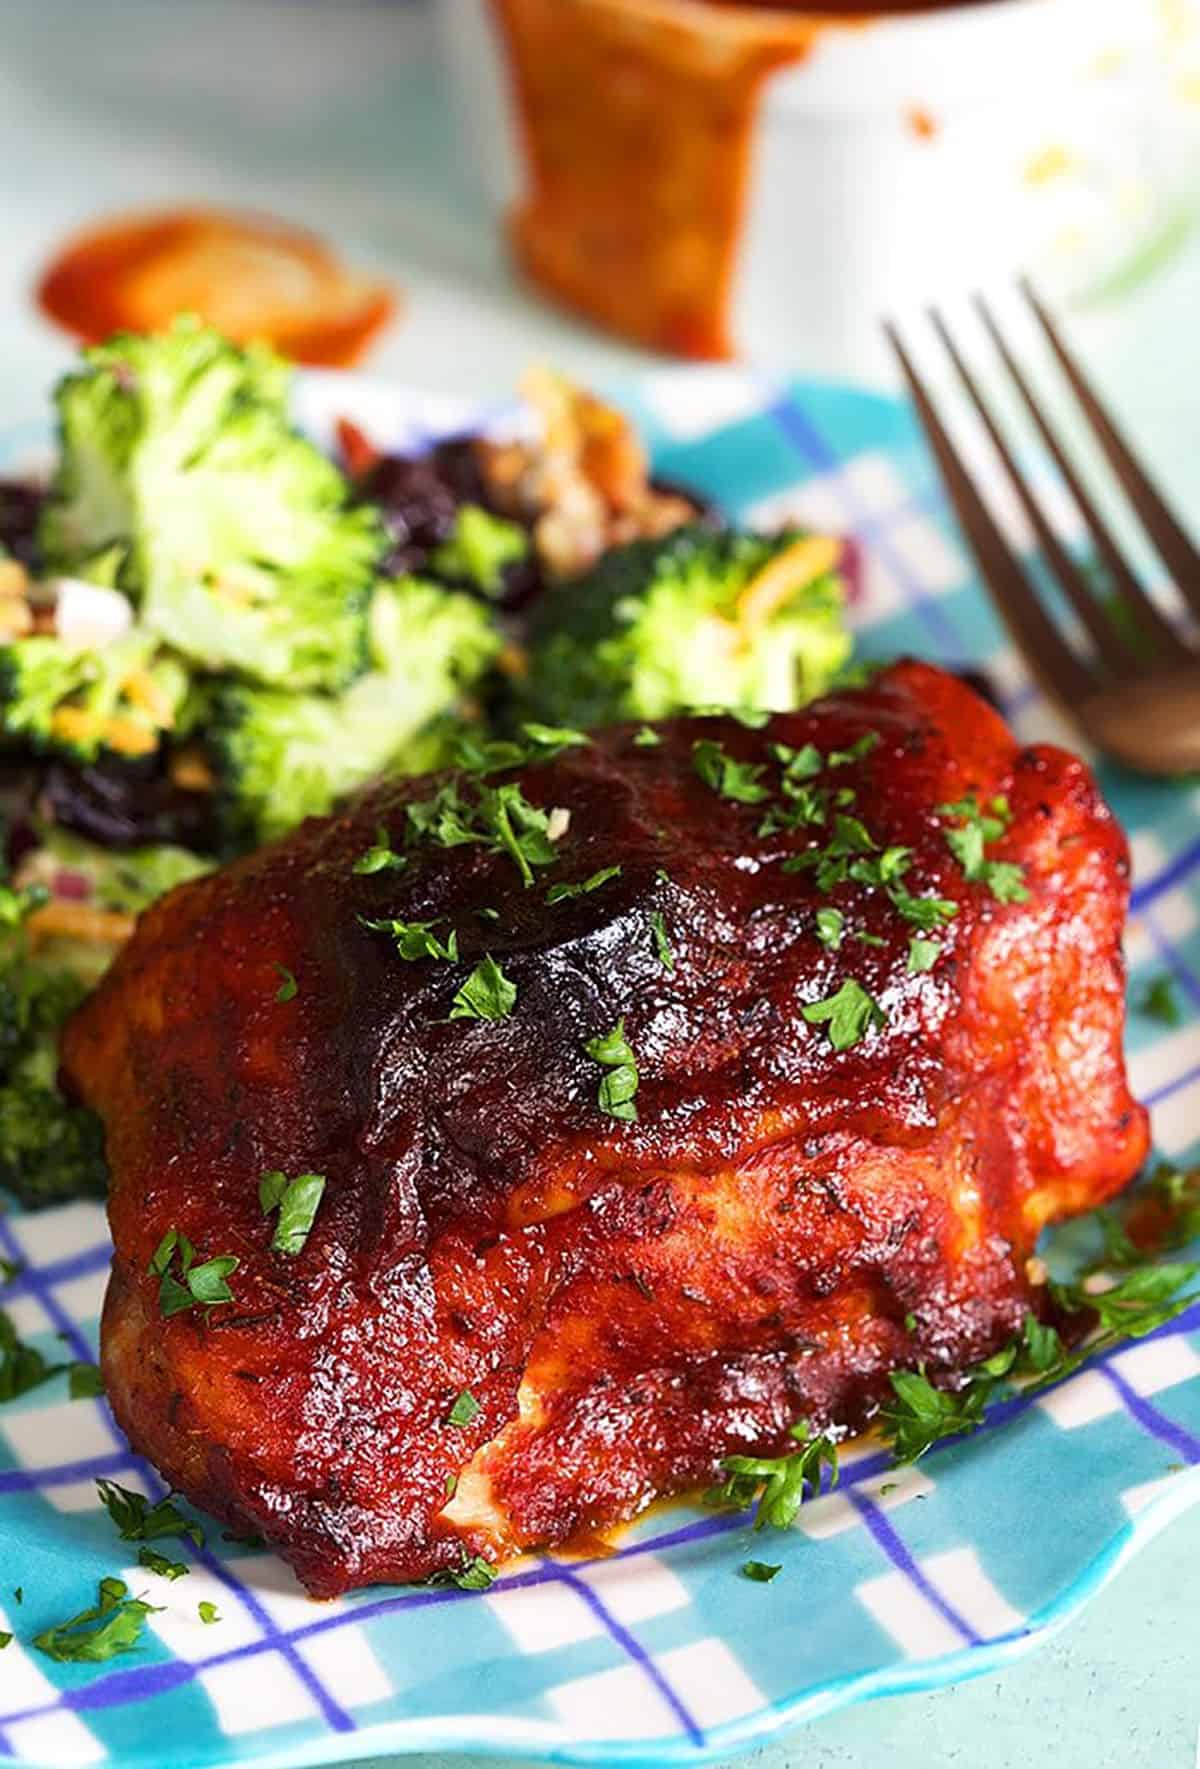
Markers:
point(906, 158)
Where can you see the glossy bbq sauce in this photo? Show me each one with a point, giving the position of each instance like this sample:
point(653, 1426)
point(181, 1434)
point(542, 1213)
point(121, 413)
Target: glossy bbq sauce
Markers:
point(249, 275)
point(637, 120)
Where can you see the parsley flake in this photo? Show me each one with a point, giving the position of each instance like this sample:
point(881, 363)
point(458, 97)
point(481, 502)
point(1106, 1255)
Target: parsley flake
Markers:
point(5, 1640)
point(487, 994)
point(114, 1624)
point(297, 1201)
point(619, 1087)
point(782, 1483)
point(158, 1563)
point(922, 954)
point(554, 738)
point(760, 1571)
point(646, 738)
point(562, 893)
point(1158, 1002)
point(727, 776)
point(138, 1520)
point(925, 913)
point(474, 1574)
point(848, 1014)
point(662, 945)
point(201, 1285)
point(830, 927)
point(416, 939)
point(464, 1409)
point(288, 988)
point(208, 1611)
point(968, 842)
point(22, 1367)
point(84, 1382)
point(921, 1414)
point(382, 857)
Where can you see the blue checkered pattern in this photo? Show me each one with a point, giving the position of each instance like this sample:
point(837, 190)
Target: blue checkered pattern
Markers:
point(663, 1652)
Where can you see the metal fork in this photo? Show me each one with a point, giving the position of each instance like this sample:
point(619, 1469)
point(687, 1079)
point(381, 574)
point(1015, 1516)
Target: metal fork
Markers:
point(1133, 688)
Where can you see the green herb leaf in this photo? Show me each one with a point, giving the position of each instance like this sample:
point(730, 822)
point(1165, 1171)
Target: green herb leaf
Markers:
point(297, 1201)
point(761, 1571)
point(474, 1574)
point(862, 746)
point(646, 738)
point(382, 857)
point(5, 1640)
point(464, 1409)
point(202, 1285)
point(730, 778)
point(922, 954)
point(288, 988)
point(487, 994)
point(553, 737)
point(848, 1014)
point(113, 1625)
point(920, 1414)
point(209, 1612)
point(1158, 1002)
point(1003, 878)
point(416, 939)
point(619, 1087)
point(804, 763)
point(782, 1483)
point(925, 913)
point(830, 927)
point(138, 1520)
point(662, 945)
point(153, 1561)
point(85, 1382)
point(561, 893)
point(22, 1367)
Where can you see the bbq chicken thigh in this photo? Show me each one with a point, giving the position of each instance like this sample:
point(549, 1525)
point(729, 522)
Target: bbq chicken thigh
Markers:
point(791, 1040)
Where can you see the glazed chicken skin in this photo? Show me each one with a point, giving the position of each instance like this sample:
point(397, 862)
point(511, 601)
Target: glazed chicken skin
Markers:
point(624, 1300)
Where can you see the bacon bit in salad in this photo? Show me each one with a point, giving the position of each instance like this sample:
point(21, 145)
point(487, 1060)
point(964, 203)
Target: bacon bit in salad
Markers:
point(583, 481)
point(61, 920)
point(807, 559)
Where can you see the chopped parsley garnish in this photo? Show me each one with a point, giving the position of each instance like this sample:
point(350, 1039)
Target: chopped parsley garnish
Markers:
point(561, 893)
point(920, 1414)
point(662, 945)
point(646, 738)
point(416, 939)
point(968, 842)
point(84, 1382)
point(862, 746)
point(487, 994)
point(882, 870)
point(554, 738)
point(782, 1483)
point(200, 1285)
point(925, 913)
point(831, 925)
point(473, 1574)
point(153, 1561)
point(22, 1367)
point(497, 817)
point(138, 1520)
point(288, 988)
point(741, 781)
point(114, 1624)
point(848, 1014)
point(866, 939)
point(297, 1201)
point(1158, 1002)
point(804, 763)
point(761, 1571)
point(382, 857)
point(922, 954)
point(5, 1640)
point(10, 1270)
point(619, 1087)
point(208, 1611)
point(464, 1409)
point(838, 859)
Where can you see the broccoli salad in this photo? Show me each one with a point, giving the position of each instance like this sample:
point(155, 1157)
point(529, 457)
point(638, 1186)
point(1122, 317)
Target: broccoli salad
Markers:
point(210, 630)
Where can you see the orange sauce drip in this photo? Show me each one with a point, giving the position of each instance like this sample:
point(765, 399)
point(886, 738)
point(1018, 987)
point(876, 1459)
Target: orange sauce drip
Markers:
point(252, 276)
point(637, 124)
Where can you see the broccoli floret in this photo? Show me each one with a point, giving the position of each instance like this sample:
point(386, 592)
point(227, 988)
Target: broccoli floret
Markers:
point(240, 541)
point(700, 618)
point(282, 757)
point(478, 549)
point(122, 697)
point(49, 1150)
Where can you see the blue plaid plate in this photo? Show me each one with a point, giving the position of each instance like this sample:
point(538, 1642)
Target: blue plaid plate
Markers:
point(663, 1653)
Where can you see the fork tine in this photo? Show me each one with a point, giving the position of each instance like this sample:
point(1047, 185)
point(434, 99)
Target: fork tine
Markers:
point(1036, 638)
point(1104, 635)
point(1179, 554)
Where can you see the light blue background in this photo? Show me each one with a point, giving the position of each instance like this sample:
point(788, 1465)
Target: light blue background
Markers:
point(349, 132)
